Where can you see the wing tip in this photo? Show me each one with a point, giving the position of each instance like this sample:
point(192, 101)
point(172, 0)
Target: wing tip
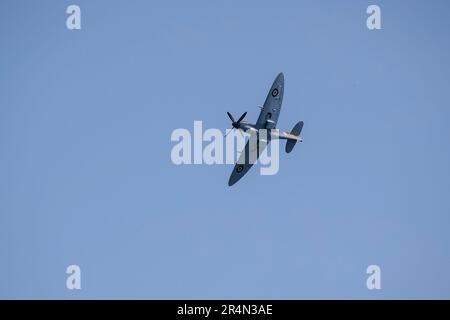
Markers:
point(232, 181)
point(280, 76)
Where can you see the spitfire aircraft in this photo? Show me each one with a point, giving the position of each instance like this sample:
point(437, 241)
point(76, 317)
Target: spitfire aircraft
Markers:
point(267, 119)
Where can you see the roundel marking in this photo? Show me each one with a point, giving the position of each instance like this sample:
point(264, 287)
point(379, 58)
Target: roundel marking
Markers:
point(274, 92)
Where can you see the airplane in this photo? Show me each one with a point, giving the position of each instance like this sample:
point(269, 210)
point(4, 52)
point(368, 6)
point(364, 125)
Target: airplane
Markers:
point(267, 119)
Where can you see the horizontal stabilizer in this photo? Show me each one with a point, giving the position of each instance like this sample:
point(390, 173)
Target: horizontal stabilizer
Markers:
point(296, 132)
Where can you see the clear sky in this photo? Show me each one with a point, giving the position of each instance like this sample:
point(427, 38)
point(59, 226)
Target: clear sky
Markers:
point(85, 171)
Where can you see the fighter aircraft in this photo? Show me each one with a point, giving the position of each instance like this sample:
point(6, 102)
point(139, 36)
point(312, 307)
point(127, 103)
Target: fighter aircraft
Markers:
point(267, 119)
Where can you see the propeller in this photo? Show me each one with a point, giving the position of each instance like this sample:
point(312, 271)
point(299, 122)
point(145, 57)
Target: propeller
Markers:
point(234, 123)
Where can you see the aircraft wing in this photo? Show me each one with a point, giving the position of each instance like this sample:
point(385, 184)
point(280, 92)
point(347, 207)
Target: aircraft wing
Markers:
point(268, 117)
point(247, 159)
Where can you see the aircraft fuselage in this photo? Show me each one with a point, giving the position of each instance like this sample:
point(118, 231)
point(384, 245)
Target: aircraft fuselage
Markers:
point(248, 127)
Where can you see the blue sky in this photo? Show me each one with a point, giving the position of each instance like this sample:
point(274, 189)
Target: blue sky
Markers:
point(85, 170)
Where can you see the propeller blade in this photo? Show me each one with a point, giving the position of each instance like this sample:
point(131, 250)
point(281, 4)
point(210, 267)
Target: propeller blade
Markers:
point(242, 117)
point(230, 116)
point(232, 130)
point(229, 132)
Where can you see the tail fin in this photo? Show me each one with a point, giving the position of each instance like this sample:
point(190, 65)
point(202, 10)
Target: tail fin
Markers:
point(296, 132)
